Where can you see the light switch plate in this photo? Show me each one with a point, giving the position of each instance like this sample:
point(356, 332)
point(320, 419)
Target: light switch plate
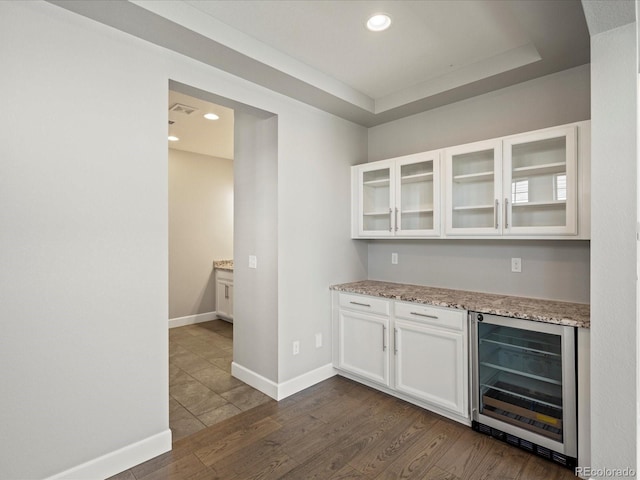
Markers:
point(253, 261)
point(394, 258)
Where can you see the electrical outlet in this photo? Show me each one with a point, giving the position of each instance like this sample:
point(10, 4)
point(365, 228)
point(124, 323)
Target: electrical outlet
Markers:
point(296, 347)
point(318, 340)
point(253, 261)
point(516, 265)
point(394, 258)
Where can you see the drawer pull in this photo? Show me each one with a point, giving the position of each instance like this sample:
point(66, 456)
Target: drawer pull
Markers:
point(424, 315)
point(361, 304)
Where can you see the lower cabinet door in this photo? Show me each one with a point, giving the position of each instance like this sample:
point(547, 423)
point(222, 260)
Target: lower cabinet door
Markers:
point(363, 345)
point(224, 299)
point(431, 365)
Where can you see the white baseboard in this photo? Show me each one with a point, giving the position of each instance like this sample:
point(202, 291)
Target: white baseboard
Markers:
point(255, 380)
point(284, 389)
point(120, 460)
point(299, 383)
point(191, 319)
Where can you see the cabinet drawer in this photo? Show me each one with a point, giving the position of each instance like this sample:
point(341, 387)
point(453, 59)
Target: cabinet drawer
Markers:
point(363, 303)
point(224, 275)
point(442, 317)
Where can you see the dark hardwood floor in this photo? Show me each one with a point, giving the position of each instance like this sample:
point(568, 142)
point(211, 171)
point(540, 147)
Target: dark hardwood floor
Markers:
point(339, 429)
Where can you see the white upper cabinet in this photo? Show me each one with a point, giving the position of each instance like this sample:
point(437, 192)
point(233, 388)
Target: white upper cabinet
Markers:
point(527, 186)
point(397, 197)
point(540, 179)
point(474, 187)
point(522, 186)
point(376, 198)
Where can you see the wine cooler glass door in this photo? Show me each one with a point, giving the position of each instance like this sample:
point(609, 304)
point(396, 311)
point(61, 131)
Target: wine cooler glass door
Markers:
point(526, 378)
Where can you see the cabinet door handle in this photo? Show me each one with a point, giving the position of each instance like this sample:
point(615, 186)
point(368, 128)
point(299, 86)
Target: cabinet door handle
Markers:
point(226, 291)
point(425, 315)
point(506, 213)
point(396, 219)
point(496, 209)
point(361, 304)
point(390, 219)
point(395, 341)
point(384, 334)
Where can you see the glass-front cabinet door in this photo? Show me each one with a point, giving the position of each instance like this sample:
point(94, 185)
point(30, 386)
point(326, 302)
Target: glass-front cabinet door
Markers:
point(540, 188)
point(376, 199)
point(398, 197)
point(417, 209)
point(473, 189)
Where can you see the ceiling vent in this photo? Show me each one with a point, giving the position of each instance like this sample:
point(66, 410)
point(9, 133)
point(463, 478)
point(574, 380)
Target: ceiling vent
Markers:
point(185, 109)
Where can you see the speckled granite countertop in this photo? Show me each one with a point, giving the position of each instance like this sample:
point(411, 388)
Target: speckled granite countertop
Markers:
point(548, 311)
point(223, 265)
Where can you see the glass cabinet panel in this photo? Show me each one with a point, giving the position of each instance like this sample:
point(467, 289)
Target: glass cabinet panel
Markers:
point(398, 197)
point(541, 175)
point(473, 189)
point(417, 193)
point(376, 200)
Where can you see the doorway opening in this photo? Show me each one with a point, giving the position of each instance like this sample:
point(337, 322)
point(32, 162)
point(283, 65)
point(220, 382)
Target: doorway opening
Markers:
point(202, 390)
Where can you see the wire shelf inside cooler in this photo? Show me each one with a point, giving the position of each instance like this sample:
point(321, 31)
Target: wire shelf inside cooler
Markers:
point(525, 388)
point(529, 364)
point(523, 339)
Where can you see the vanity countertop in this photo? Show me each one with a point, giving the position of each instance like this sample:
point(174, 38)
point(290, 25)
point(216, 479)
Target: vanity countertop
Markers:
point(539, 310)
point(226, 265)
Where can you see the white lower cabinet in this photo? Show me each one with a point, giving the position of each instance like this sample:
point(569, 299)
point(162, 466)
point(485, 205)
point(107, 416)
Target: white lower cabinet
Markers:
point(431, 365)
point(413, 351)
point(363, 340)
point(224, 294)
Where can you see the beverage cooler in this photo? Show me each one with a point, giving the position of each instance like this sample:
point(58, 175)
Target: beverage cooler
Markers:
point(524, 385)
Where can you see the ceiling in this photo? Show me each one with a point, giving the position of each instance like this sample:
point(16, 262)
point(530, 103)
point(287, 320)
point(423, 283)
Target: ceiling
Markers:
point(196, 133)
point(318, 51)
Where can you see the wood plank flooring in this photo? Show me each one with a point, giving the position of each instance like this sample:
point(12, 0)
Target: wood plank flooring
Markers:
point(340, 429)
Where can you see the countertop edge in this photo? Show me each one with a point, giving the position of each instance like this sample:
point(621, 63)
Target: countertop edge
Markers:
point(224, 265)
point(481, 306)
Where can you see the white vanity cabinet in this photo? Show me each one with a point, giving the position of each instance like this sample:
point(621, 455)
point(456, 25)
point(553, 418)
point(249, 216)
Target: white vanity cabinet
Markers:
point(398, 197)
point(431, 355)
point(410, 350)
point(526, 185)
point(224, 294)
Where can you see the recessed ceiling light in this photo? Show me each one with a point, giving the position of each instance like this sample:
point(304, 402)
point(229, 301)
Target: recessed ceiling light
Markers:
point(211, 116)
point(379, 22)
point(173, 138)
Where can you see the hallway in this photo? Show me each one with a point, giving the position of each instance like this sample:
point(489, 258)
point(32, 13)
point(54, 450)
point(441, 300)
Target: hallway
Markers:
point(202, 391)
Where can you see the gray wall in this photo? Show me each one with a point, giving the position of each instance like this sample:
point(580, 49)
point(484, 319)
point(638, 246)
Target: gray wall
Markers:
point(200, 228)
point(255, 323)
point(614, 258)
point(556, 99)
point(83, 263)
point(556, 269)
point(551, 269)
point(314, 247)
